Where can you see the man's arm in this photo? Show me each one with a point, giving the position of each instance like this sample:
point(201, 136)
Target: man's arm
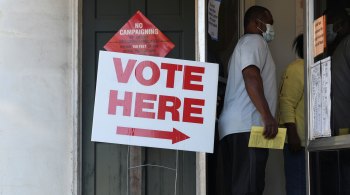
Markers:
point(254, 86)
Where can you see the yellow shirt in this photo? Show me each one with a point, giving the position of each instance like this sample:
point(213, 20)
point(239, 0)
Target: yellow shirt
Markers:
point(291, 98)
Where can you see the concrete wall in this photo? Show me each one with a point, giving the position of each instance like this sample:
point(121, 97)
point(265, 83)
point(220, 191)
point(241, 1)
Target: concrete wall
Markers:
point(37, 108)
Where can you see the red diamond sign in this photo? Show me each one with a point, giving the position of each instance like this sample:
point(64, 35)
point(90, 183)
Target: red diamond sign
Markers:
point(140, 36)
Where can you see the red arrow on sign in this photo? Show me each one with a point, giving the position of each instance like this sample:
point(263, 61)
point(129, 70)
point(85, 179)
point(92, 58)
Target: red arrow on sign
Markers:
point(175, 135)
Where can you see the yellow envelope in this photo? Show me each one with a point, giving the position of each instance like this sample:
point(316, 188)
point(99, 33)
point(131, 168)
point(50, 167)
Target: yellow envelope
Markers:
point(257, 139)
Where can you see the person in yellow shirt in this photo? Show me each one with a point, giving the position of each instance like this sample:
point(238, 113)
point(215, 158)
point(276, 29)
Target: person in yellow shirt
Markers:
point(291, 116)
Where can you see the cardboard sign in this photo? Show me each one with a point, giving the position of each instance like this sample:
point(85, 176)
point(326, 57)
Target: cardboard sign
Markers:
point(155, 102)
point(140, 36)
point(319, 35)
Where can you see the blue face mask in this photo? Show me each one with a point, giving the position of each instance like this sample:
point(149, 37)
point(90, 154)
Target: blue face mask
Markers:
point(331, 35)
point(269, 34)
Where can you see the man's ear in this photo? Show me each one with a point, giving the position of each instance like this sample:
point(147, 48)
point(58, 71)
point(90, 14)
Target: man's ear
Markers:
point(258, 24)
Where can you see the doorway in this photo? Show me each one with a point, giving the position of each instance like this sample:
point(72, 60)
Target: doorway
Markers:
point(288, 23)
point(219, 51)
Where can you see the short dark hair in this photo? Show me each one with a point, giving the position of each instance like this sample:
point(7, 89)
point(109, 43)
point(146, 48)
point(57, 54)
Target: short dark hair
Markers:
point(337, 13)
point(298, 45)
point(255, 12)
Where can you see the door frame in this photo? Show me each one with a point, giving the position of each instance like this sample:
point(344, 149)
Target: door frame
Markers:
point(76, 14)
point(76, 30)
point(308, 51)
point(201, 47)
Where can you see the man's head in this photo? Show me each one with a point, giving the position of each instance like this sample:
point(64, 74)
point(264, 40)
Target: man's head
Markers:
point(338, 23)
point(338, 27)
point(257, 20)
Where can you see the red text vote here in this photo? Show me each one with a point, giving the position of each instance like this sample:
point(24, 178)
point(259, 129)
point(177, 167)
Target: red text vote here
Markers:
point(152, 105)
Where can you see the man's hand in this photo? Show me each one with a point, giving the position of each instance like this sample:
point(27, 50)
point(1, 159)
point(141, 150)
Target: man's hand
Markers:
point(294, 142)
point(271, 127)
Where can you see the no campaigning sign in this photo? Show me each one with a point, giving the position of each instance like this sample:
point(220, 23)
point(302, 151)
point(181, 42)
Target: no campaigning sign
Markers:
point(155, 102)
point(140, 36)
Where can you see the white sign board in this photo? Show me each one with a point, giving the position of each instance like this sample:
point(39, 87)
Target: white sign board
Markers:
point(155, 102)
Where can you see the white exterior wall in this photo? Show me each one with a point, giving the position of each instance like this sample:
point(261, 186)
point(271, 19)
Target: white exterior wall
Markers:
point(37, 98)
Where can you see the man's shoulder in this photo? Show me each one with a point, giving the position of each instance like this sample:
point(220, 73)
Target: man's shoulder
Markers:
point(343, 46)
point(348, 37)
point(347, 40)
point(252, 40)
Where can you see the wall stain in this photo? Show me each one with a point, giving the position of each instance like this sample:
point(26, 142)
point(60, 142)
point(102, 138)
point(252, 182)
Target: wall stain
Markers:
point(12, 33)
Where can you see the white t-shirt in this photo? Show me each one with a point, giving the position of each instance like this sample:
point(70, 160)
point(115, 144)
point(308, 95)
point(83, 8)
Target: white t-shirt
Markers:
point(239, 113)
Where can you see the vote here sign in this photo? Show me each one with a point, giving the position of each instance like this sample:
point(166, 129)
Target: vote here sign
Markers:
point(155, 102)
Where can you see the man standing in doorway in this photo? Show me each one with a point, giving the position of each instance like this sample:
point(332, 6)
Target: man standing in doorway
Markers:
point(250, 100)
point(338, 41)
